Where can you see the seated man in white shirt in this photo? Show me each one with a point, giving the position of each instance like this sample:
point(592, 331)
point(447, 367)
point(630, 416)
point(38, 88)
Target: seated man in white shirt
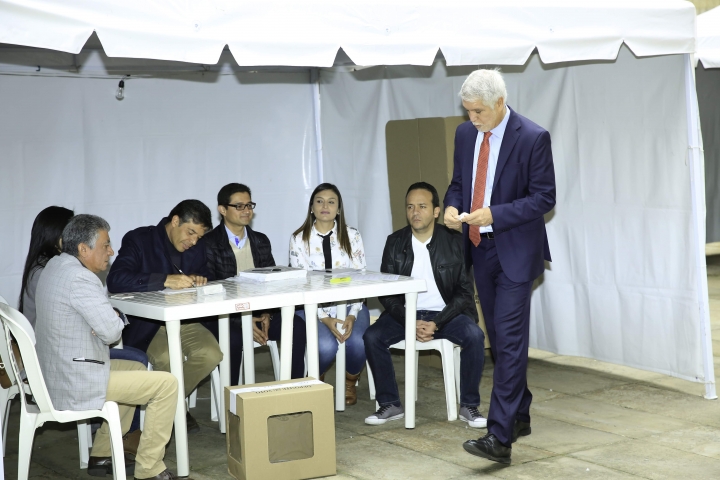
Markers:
point(432, 252)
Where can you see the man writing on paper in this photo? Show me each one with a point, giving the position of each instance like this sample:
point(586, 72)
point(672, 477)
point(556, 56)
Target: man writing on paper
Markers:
point(75, 325)
point(169, 255)
point(233, 247)
point(446, 310)
point(504, 182)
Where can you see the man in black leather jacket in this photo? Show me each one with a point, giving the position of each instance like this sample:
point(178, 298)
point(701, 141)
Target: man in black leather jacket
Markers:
point(433, 252)
point(232, 247)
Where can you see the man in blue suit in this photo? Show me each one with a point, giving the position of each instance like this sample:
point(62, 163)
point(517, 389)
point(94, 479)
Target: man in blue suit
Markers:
point(503, 184)
point(168, 255)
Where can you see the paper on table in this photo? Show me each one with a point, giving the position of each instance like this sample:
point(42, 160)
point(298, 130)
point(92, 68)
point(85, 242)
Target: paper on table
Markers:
point(170, 291)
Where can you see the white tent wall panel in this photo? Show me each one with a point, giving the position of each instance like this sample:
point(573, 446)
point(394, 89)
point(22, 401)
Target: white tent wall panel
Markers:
point(622, 284)
point(69, 142)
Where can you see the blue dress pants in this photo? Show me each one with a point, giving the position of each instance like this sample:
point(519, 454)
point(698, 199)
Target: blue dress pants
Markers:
point(506, 308)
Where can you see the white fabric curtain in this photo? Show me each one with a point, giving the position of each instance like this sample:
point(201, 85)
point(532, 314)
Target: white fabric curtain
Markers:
point(69, 142)
point(621, 287)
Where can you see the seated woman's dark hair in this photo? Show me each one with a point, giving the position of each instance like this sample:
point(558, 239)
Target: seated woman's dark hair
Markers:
point(44, 242)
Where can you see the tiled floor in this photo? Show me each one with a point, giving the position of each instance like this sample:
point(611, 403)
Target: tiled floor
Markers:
point(591, 420)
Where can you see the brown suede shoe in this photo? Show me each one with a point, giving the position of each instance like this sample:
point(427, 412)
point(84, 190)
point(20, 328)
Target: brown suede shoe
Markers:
point(350, 390)
point(131, 441)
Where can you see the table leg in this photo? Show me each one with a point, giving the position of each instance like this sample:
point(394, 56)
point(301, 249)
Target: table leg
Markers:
point(311, 330)
point(410, 363)
point(286, 341)
point(224, 341)
point(176, 368)
point(248, 348)
point(341, 312)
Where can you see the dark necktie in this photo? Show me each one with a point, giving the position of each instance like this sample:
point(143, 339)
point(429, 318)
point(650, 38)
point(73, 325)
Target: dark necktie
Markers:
point(326, 250)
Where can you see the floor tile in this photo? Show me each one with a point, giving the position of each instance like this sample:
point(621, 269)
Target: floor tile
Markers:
point(369, 458)
point(700, 440)
point(664, 402)
point(562, 437)
point(608, 418)
point(561, 468)
point(652, 461)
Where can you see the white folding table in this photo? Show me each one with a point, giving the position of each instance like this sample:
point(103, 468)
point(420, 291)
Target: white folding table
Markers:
point(247, 297)
point(366, 285)
point(172, 309)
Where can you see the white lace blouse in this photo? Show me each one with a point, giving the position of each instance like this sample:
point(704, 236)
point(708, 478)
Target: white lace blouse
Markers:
point(312, 258)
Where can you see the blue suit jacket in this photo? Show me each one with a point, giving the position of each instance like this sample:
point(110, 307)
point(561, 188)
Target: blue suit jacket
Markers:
point(523, 191)
point(142, 265)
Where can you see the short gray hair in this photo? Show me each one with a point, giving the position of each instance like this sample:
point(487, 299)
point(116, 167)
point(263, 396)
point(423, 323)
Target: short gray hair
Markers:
point(82, 228)
point(486, 86)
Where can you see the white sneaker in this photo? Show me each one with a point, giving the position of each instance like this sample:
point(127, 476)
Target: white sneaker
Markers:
point(385, 413)
point(472, 417)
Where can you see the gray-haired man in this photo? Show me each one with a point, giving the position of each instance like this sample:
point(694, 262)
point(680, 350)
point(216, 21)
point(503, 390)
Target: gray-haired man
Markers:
point(75, 325)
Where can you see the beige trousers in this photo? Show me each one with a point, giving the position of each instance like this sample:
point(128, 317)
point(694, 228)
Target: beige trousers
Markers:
point(131, 384)
point(199, 347)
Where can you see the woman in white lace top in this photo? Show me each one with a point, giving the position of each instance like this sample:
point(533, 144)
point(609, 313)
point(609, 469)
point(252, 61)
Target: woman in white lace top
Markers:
point(324, 242)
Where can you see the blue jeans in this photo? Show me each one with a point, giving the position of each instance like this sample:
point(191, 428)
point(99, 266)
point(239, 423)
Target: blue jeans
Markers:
point(461, 330)
point(354, 347)
point(135, 355)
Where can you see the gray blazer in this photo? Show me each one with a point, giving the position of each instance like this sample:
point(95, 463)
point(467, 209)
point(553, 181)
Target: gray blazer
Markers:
point(71, 304)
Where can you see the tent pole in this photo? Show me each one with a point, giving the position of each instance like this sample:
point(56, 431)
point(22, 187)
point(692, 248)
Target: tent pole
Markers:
point(697, 190)
point(315, 81)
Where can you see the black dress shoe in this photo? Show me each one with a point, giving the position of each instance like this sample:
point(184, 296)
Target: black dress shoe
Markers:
point(101, 466)
point(489, 447)
point(192, 424)
point(520, 429)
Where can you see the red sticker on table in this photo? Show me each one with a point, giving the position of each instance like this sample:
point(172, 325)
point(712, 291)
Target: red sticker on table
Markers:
point(239, 307)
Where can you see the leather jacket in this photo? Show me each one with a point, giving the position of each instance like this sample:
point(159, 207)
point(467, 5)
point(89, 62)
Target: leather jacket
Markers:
point(448, 264)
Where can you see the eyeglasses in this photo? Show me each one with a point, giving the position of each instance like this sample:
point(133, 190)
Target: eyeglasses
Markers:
point(242, 206)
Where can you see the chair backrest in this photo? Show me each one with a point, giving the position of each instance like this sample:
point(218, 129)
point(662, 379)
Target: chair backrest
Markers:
point(16, 324)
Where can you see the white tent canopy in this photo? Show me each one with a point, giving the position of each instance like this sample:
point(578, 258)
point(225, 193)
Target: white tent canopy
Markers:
point(627, 284)
point(310, 33)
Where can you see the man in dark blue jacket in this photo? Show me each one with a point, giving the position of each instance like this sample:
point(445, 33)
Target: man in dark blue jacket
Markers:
point(169, 255)
point(232, 247)
point(503, 184)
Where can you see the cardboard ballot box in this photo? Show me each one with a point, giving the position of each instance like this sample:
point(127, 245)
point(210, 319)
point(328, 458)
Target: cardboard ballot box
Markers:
point(280, 430)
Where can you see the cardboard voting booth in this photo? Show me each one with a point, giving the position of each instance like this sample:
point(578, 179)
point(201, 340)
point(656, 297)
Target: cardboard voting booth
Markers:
point(280, 430)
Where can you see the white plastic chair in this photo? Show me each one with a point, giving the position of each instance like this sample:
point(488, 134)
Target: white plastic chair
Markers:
point(34, 416)
point(7, 394)
point(450, 355)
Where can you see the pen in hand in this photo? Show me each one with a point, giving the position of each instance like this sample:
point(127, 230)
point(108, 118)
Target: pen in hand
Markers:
point(183, 273)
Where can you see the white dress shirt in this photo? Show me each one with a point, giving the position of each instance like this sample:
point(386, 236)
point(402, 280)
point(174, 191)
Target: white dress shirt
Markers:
point(495, 143)
point(234, 239)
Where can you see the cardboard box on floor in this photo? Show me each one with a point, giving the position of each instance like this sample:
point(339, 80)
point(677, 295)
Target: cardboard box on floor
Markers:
point(421, 150)
point(280, 430)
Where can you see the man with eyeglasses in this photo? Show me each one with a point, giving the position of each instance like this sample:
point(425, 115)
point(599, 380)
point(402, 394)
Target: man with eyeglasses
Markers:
point(168, 255)
point(233, 247)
